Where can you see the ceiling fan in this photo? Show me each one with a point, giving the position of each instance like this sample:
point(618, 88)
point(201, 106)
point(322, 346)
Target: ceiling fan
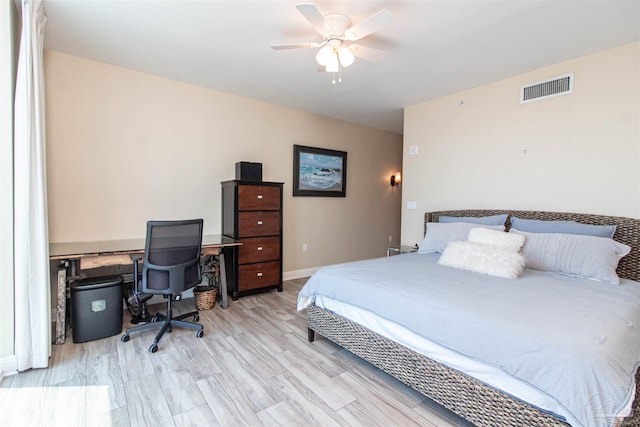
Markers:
point(336, 30)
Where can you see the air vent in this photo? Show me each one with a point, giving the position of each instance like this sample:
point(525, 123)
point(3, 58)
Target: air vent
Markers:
point(556, 86)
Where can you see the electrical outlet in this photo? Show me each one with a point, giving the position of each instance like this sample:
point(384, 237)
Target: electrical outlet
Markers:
point(390, 238)
point(304, 247)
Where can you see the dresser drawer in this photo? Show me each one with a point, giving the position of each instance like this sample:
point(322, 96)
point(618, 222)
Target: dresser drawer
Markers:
point(254, 224)
point(258, 197)
point(258, 249)
point(260, 275)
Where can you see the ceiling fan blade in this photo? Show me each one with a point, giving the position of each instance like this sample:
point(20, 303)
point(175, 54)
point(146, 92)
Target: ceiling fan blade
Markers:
point(313, 15)
point(295, 46)
point(370, 25)
point(367, 53)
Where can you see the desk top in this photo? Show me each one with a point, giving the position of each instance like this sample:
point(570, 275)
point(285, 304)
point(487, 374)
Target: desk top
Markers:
point(77, 249)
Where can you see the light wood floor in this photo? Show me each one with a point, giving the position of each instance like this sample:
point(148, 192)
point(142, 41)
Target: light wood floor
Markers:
point(253, 367)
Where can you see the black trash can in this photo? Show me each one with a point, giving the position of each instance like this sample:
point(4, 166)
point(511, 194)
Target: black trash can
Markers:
point(96, 308)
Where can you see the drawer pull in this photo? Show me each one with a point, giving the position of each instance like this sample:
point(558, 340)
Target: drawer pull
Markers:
point(259, 274)
point(259, 248)
point(259, 222)
point(260, 196)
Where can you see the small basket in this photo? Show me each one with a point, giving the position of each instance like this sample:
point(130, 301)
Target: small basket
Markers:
point(205, 299)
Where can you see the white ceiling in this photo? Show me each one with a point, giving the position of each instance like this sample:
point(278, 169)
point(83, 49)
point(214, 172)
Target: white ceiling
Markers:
point(435, 48)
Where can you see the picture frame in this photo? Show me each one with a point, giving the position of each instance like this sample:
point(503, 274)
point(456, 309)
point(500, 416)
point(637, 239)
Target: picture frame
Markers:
point(319, 172)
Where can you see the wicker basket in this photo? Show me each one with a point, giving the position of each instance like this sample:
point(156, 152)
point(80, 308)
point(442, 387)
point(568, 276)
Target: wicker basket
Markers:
point(205, 299)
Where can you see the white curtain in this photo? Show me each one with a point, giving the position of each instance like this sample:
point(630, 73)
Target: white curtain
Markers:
point(32, 289)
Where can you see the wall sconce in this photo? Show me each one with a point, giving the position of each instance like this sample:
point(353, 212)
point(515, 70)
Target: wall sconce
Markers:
point(396, 179)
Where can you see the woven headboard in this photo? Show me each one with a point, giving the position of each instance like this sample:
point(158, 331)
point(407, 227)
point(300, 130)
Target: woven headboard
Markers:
point(627, 230)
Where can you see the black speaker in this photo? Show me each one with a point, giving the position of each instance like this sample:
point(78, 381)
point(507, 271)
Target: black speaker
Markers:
point(249, 171)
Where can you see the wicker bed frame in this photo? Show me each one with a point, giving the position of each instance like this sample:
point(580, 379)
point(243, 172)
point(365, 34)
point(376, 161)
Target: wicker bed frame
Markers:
point(476, 402)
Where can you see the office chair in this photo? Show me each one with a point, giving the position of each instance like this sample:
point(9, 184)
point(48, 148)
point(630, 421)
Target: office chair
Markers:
point(171, 265)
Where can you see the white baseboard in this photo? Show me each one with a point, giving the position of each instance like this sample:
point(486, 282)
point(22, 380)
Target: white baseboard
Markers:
point(8, 366)
point(299, 274)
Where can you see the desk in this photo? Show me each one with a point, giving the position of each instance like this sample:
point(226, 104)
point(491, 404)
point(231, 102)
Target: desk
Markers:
point(87, 255)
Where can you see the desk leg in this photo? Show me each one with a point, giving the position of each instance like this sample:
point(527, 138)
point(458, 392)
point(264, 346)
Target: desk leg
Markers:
point(223, 281)
point(61, 306)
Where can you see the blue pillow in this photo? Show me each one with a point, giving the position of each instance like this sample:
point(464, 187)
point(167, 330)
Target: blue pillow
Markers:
point(591, 257)
point(440, 234)
point(563, 227)
point(484, 220)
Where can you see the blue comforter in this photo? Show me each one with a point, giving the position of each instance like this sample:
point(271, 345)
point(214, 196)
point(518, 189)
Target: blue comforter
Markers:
point(573, 339)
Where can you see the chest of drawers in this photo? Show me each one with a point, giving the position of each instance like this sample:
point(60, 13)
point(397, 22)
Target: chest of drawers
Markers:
point(252, 214)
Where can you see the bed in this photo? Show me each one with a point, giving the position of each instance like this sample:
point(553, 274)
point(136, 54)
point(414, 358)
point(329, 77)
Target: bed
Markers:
point(469, 390)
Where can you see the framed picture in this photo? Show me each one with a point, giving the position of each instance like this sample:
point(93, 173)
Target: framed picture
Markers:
point(319, 172)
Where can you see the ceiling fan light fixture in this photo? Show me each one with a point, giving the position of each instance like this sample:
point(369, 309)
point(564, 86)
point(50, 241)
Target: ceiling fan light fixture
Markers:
point(333, 66)
point(346, 56)
point(324, 55)
point(336, 31)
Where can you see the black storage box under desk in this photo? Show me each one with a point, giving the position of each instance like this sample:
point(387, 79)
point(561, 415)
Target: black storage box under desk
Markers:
point(96, 308)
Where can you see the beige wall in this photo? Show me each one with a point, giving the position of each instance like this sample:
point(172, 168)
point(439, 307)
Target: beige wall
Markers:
point(124, 147)
point(573, 153)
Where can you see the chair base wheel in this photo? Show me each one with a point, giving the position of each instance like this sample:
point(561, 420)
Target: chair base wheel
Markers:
point(125, 337)
point(153, 348)
point(199, 333)
point(196, 318)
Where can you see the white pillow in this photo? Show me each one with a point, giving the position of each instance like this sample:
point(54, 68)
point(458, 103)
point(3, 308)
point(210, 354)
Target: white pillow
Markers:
point(480, 258)
point(509, 241)
point(590, 257)
point(440, 234)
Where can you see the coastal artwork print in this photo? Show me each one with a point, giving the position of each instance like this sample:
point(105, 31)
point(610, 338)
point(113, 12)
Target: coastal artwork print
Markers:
point(319, 172)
